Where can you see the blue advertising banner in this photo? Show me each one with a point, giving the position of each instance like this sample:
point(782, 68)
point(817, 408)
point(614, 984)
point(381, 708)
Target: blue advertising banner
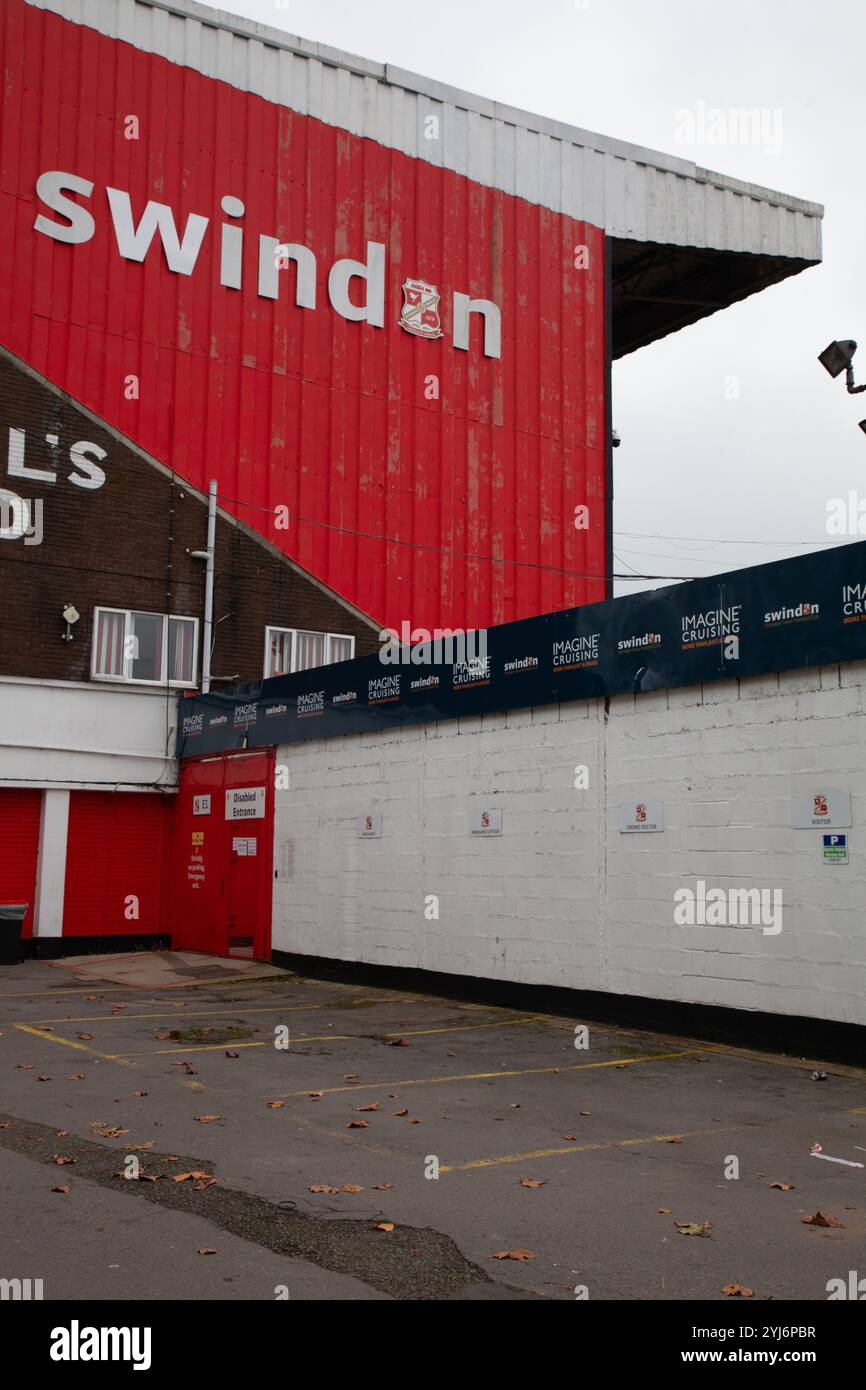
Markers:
point(789, 614)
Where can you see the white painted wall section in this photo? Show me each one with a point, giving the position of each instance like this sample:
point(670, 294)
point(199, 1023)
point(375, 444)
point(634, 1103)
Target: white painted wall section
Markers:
point(564, 898)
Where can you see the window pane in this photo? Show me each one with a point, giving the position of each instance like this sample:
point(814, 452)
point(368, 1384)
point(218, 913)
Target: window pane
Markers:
point(108, 644)
point(145, 646)
point(310, 650)
point(342, 648)
point(181, 650)
point(279, 653)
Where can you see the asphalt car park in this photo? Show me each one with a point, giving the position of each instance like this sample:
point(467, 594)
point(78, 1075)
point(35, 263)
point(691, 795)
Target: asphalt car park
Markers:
point(284, 1137)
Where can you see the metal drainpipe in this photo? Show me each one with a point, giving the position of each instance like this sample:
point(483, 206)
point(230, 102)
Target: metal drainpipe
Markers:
point(208, 587)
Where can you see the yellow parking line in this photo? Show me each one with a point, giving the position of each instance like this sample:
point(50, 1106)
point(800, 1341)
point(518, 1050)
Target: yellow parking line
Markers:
point(577, 1148)
point(108, 987)
point(460, 1027)
point(230, 1044)
point(490, 1075)
point(329, 1037)
point(68, 1042)
point(239, 1010)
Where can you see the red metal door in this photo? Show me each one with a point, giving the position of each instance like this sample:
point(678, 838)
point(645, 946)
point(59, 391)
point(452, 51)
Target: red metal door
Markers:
point(20, 811)
point(114, 864)
point(221, 874)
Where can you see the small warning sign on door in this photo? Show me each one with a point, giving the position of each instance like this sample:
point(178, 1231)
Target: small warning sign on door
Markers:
point(245, 803)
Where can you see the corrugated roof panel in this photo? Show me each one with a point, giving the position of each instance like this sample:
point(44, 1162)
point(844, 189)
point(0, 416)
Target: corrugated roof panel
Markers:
point(639, 196)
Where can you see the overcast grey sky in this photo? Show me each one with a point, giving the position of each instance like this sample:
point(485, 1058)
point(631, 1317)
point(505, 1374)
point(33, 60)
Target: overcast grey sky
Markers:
point(693, 462)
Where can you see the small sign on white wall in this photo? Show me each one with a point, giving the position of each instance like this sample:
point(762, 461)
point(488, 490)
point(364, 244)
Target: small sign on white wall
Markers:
point(635, 816)
point(486, 823)
point(835, 849)
point(817, 810)
point(370, 826)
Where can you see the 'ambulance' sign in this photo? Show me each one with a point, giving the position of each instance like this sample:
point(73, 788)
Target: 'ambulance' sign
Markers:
point(245, 803)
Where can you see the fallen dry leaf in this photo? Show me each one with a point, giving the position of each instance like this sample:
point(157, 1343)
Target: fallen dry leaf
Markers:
point(586, 1112)
point(819, 1219)
point(60, 1189)
point(206, 1250)
point(322, 1187)
point(737, 1291)
point(515, 1105)
point(570, 1137)
point(362, 1109)
point(693, 1228)
point(521, 1254)
point(204, 1183)
point(108, 1131)
point(276, 1104)
point(76, 1076)
point(532, 1182)
point(233, 1054)
point(6, 1124)
point(383, 1187)
point(675, 1139)
point(43, 1078)
point(23, 1066)
point(351, 1187)
point(400, 1112)
point(783, 1186)
point(209, 1119)
point(358, 1124)
point(351, 1076)
point(384, 1226)
point(194, 1173)
point(85, 1037)
point(59, 1133)
point(139, 1093)
point(399, 1042)
point(60, 1159)
point(147, 1145)
point(665, 1211)
point(413, 1121)
point(316, 1095)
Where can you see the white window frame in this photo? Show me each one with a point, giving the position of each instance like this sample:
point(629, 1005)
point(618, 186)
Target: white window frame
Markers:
point(328, 636)
point(127, 679)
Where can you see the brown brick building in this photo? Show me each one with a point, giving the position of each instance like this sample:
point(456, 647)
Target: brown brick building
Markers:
point(101, 628)
point(112, 528)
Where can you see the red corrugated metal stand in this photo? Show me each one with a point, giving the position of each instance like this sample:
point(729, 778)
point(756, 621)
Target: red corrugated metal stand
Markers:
point(20, 810)
point(114, 864)
point(298, 407)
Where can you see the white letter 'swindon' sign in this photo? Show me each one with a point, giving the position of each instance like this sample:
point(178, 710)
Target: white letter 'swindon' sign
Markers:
point(245, 803)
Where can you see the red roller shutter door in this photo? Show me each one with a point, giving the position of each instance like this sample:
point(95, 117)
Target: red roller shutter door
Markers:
point(20, 812)
point(114, 853)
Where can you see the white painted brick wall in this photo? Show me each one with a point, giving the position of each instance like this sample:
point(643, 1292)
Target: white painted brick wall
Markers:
point(562, 897)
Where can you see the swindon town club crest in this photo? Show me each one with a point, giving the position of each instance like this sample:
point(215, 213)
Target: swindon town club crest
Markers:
point(420, 312)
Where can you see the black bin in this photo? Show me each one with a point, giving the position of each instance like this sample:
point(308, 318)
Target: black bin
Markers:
point(11, 923)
